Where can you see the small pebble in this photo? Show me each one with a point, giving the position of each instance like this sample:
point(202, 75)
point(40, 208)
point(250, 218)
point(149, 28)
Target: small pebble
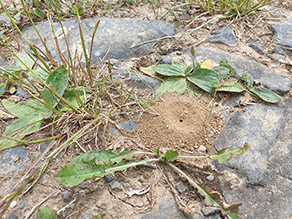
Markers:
point(211, 177)
point(88, 214)
point(141, 179)
point(180, 187)
point(23, 204)
point(11, 216)
point(211, 134)
point(13, 204)
point(202, 149)
point(207, 211)
point(84, 185)
point(44, 181)
point(109, 178)
point(116, 185)
point(67, 196)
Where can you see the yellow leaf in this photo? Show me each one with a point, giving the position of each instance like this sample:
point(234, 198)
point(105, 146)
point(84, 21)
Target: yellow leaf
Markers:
point(207, 64)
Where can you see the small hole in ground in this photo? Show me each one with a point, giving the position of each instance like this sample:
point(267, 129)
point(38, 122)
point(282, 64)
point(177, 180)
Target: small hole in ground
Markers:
point(180, 120)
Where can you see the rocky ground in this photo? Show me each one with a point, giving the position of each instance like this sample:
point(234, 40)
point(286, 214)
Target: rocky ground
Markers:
point(260, 179)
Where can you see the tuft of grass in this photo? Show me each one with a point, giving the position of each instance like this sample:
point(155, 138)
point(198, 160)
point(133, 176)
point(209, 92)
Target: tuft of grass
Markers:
point(233, 8)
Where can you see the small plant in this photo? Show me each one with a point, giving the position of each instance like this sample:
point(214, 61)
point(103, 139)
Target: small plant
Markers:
point(233, 8)
point(180, 78)
point(97, 164)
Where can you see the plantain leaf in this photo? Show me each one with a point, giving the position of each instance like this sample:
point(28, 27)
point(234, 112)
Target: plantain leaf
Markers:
point(266, 94)
point(30, 116)
point(71, 97)
point(173, 84)
point(226, 153)
point(230, 85)
point(204, 79)
point(170, 70)
point(58, 79)
point(26, 59)
point(94, 164)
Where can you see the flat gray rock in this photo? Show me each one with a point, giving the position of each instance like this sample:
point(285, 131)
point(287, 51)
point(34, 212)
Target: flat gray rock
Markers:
point(269, 78)
point(261, 178)
point(13, 160)
point(167, 210)
point(223, 35)
point(283, 36)
point(137, 79)
point(115, 38)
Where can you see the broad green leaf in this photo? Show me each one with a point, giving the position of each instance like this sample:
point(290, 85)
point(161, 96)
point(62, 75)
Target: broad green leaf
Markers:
point(230, 85)
point(38, 13)
point(30, 116)
point(188, 70)
point(169, 70)
point(12, 68)
point(40, 73)
point(226, 153)
point(175, 84)
point(94, 164)
point(169, 156)
point(2, 88)
point(59, 80)
point(204, 79)
point(223, 74)
point(71, 97)
point(28, 61)
point(46, 213)
point(30, 107)
point(266, 94)
point(104, 155)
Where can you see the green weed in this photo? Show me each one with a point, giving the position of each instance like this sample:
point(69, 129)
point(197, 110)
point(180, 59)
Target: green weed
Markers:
point(232, 8)
point(180, 78)
point(97, 164)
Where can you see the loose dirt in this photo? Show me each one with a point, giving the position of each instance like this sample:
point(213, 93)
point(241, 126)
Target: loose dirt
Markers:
point(182, 123)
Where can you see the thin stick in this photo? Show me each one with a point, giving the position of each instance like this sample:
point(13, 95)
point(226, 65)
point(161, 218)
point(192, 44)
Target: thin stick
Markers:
point(39, 204)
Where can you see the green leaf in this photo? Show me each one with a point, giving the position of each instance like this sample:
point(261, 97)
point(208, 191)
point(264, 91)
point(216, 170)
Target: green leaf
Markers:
point(59, 80)
point(188, 70)
point(266, 94)
point(170, 70)
point(231, 69)
point(2, 88)
point(226, 153)
point(38, 13)
point(39, 72)
point(46, 213)
point(191, 90)
point(174, 84)
point(230, 85)
point(157, 152)
point(169, 156)
point(204, 79)
point(94, 164)
point(71, 97)
point(30, 116)
point(26, 59)
point(12, 68)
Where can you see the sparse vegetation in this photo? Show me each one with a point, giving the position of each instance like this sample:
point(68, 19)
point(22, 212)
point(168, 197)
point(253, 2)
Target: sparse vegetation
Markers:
point(89, 97)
